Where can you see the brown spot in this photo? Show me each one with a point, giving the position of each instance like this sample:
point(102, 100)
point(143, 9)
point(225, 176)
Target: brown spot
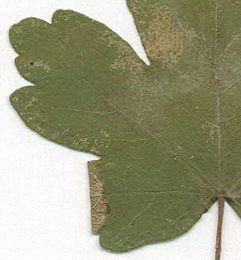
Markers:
point(99, 208)
point(162, 38)
point(212, 131)
point(126, 59)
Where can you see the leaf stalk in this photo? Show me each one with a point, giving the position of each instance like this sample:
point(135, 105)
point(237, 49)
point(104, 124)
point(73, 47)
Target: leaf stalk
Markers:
point(220, 227)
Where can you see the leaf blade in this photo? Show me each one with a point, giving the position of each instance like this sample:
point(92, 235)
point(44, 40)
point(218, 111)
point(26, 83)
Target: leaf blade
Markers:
point(155, 128)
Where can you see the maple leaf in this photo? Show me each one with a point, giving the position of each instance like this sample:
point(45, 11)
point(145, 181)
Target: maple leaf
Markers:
point(168, 134)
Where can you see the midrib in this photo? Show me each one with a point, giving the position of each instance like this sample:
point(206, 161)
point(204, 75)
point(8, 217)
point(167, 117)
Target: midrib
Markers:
point(218, 101)
point(220, 190)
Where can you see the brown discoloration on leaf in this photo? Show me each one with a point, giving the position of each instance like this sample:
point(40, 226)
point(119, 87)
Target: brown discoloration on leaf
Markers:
point(126, 59)
point(127, 62)
point(212, 131)
point(163, 40)
point(99, 207)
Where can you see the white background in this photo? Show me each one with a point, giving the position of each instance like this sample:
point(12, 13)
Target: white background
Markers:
point(44, 188)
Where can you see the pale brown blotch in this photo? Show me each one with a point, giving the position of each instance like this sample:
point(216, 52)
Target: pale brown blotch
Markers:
point(99, 207)
point(163, 40)
point(126, 59)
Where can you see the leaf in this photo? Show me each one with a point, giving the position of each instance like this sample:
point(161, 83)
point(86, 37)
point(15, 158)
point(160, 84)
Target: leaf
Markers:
point(168, 134)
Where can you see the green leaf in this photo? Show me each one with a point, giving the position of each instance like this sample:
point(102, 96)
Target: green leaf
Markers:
point(168, 134)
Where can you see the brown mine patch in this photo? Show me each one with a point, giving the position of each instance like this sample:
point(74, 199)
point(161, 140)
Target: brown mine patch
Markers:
point(162, 39)
point(211, 131)
point(99, 208)
point(126, 59)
